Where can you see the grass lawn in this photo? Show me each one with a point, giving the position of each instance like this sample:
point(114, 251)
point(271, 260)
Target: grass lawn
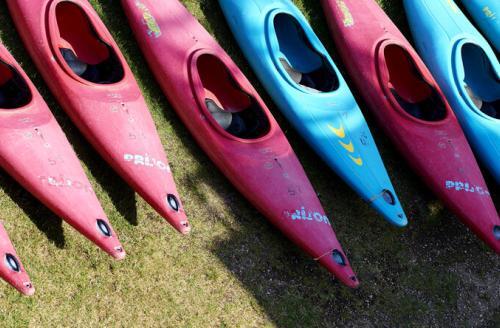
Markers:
point(235, 269)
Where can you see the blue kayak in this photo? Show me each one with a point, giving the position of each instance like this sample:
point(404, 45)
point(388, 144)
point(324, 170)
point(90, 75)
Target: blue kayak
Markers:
point(486, 13)
point(467, 69)
point(306, 85)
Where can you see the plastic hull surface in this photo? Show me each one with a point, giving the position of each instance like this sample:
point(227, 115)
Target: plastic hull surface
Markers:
point(185, 58)
point(462, 60)
point(486, 14)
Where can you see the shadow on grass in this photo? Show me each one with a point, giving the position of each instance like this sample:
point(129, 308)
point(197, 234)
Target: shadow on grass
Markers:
point(121, 194)
point(43, 218)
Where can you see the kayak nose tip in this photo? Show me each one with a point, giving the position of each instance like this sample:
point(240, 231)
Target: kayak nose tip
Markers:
point(119, 253)
point(336, 263)
point(401, 220)
point(28, 289)
point(352, 282)
point(184, 227)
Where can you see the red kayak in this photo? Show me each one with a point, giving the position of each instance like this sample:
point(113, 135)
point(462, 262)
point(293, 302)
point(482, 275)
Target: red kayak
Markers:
point(87, 73)
point(411, 108)
point(11, 269)
point(35, 152)
point(234, 127)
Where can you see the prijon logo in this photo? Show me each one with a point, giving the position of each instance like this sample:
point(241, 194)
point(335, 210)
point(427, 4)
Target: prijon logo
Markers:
point(466, 187)
point(63, 182)
point(307, 216)
point(147, 161)
point(148, 19)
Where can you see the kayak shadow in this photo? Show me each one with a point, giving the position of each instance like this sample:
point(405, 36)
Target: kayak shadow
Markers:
point(123, 197)
point(43, 218)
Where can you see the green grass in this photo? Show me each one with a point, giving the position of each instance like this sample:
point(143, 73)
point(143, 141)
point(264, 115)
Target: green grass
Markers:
point(235, 269)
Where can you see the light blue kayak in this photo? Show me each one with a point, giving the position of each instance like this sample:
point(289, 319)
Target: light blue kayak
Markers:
point(486, 13)
point(467, 69)
point(306, 85)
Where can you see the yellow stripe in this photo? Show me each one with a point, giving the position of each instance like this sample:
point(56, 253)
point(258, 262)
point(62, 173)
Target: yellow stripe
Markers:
point(349, 147)
point(358, 161)
point(340, 132)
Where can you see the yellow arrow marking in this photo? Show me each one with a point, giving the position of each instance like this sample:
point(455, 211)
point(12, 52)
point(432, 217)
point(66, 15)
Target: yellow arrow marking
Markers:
point(340, 132)
point(358, 161)
point(349, 147)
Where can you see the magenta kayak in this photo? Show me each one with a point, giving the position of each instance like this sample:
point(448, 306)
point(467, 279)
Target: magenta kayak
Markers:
point(89, 76)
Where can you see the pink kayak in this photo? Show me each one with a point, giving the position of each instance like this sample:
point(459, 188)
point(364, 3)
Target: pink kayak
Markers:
point(11, 269)
point(234, 127)
point(411, 108)
point(35, 152)
point(88, 75)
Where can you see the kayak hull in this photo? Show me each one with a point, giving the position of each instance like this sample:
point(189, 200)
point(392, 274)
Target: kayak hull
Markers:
point(264, 169)
point(437, 150)
point(11, 269)
point(36, 153)
point(486, 14)
point(445, 48)
point(330, 121)
point(112, 116)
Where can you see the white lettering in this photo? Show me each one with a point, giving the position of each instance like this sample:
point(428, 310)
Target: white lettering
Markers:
point(466, 187)
point(304, 215)
point(146, 161)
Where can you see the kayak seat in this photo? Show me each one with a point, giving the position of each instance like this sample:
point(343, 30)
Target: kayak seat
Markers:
point(481, 82)
point(14, 91)
point(82, 49)
point(417, 97)
point(235, 111)
point(301, 61)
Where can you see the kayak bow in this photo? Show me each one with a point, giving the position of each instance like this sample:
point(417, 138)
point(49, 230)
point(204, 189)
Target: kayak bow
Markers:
point(11, 269)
